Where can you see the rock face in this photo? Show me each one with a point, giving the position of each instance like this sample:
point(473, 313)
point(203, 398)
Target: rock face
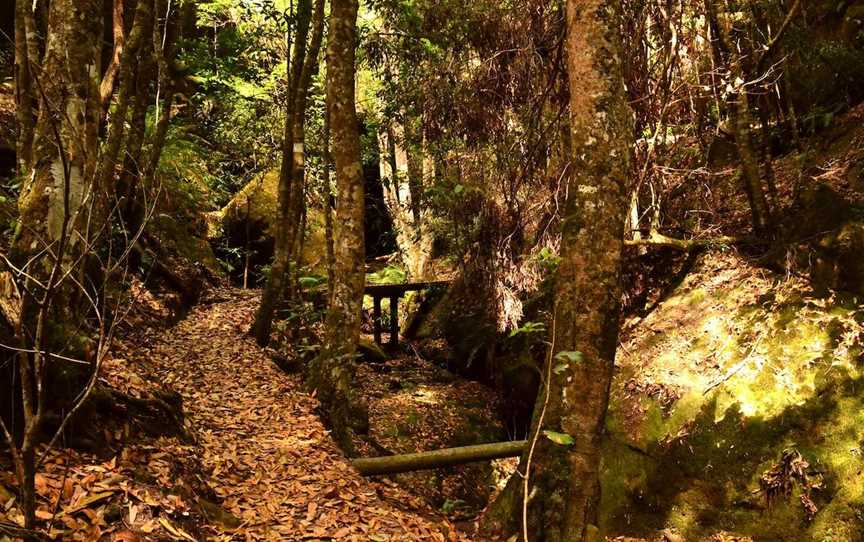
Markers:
point(735, 371)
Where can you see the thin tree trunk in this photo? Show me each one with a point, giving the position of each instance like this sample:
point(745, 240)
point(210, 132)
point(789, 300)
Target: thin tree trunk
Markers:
point(126, 72)
point(329, 203)
point(106, 88)
point(296, 223)
point(147, 163)
point(275, 287)
point(740, 122)
point(750, 171)
point(561, 480)
point(133, 158)
point(332, 372)
point(414, 150)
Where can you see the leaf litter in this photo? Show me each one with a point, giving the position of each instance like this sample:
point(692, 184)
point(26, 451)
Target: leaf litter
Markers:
point(257, 463)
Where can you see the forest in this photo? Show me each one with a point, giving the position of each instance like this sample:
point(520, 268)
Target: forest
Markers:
point(432, 270)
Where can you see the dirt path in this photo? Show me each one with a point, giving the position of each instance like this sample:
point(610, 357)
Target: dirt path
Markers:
point(267, 455)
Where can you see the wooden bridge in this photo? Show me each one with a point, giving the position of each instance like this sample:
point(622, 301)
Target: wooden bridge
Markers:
point(394, 292)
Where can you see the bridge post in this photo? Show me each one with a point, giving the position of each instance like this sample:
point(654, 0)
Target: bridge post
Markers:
point(376, 318)
point(394, 320)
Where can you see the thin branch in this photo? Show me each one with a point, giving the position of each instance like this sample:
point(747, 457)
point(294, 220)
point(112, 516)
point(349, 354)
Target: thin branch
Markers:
point(769, 48)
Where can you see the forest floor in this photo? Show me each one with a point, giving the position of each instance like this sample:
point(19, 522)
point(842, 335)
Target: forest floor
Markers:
point(416, 406)
point(257, 464)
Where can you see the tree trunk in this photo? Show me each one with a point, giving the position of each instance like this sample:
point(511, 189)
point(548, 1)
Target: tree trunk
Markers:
point(275, 287)
point(328, 201)
point(749, 160)
point(24, 96)
point(562, 478)
point(62, 150)
point(127, 74)
point(332, 372)
point(298, 169)
point(69, 110)
point(739, 117)
point(106, 88)
point(402, 174)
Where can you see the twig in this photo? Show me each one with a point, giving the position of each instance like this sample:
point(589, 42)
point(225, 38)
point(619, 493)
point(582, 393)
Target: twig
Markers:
point(59, 496)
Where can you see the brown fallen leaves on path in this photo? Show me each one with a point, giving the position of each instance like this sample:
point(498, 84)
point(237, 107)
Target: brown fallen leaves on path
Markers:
point(258, 465)
point(267, 455)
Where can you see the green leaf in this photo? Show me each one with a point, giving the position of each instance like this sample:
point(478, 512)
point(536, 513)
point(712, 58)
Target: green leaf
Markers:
point(569, 357)
point(529, 327)
point(562, 439)
point(458, 189)
point(560, 368)
point(311, 282)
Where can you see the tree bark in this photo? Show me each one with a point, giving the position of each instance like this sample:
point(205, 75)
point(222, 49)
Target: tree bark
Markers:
point(329, 203)
point(298, 169)
point(62, 150)
point(561, 481)
point(68, 85)
point(750, 171)
point(127, 74)
point(24, 90)
point(332, 372)
point(106, 88)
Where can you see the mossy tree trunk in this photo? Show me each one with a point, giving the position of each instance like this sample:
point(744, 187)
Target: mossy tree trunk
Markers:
point(562, 482)
point(62, 156)
point(59, 263)
point(65, 137)
point(332, 372)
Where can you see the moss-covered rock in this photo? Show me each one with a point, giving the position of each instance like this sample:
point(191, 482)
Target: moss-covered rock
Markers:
point(248, 222)
point(758, 365)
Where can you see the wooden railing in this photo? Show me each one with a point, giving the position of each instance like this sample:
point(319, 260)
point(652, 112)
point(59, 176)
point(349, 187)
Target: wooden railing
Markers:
point(394, 292)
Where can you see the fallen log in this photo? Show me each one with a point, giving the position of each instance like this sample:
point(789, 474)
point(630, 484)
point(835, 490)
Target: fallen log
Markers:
point(447, 457)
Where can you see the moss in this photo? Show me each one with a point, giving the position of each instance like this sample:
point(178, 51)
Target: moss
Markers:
point(695, 297)
point(783, 372)
point(185, 243)
point(623, 477)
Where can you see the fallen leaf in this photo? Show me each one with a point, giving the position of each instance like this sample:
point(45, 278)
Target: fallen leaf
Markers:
point(176, 531)
point(126, 536)
point(87, 501)
point(44, 514)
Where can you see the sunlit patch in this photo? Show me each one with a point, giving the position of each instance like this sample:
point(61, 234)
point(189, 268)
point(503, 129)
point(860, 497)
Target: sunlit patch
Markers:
point(757, 364)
